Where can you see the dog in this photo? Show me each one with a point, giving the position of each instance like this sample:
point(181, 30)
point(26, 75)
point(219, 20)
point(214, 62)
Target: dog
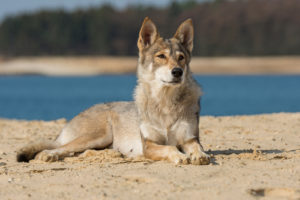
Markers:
point(162, 123)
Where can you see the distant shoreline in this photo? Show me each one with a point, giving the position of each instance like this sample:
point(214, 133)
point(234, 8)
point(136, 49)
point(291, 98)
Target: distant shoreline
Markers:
point(88, 65)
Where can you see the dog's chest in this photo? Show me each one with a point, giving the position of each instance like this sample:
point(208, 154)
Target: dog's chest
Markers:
point(172, 126)
point(163, 115)
point(176, 134)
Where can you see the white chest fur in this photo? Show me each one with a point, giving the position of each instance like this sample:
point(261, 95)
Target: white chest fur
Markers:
point(176, 134)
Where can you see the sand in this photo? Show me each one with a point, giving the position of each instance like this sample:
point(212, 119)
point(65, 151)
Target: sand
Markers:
point(254, 157)
point(85, 65)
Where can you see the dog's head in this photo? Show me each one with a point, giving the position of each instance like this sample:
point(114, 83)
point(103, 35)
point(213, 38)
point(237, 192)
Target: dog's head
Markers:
point(165, 60)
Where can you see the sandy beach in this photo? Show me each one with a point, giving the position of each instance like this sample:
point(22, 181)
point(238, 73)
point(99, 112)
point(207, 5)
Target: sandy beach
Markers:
point(254, 157)
point(86, 66)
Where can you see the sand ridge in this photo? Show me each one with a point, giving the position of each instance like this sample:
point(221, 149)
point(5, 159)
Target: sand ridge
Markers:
point(254, 157)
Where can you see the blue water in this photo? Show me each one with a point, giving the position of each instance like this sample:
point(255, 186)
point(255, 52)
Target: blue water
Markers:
point(48, 98)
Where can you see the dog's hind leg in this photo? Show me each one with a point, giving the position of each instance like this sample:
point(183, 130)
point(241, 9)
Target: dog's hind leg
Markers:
point(80, 144)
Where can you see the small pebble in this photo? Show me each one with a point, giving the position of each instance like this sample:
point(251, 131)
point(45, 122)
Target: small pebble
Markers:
point(2, 164)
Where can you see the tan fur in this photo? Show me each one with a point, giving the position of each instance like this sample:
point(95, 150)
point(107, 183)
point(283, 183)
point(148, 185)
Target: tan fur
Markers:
point(155, 151)
point(29, 152)
point(161, 121)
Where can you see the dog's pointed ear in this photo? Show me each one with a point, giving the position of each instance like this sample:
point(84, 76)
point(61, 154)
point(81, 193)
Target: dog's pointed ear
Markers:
point(185, 34)
point(148, 34)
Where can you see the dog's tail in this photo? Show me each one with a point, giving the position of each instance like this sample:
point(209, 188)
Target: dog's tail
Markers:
point(28, 152)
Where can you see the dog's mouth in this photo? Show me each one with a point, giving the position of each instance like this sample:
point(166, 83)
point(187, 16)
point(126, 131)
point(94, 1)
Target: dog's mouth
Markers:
point(173, 82)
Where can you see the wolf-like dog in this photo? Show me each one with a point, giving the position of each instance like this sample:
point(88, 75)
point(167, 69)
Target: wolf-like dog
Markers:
point(162, 122)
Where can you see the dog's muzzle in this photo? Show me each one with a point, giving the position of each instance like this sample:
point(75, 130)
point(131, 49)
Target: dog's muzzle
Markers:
point(177, 72)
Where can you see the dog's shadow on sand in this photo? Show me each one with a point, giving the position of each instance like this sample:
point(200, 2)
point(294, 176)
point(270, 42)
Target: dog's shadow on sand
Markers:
point(241, 151)
point(228, 152)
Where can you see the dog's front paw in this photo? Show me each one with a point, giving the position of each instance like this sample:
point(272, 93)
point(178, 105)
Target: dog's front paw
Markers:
point(199, 159)
point(47, 156)
point(180, 159)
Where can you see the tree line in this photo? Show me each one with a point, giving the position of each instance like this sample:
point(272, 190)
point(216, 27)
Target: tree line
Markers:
point(222, 28)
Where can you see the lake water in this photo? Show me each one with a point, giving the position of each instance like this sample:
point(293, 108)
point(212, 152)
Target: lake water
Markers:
point(49, 98)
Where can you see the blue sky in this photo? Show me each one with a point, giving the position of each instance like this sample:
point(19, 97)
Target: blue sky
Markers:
point(15, 7)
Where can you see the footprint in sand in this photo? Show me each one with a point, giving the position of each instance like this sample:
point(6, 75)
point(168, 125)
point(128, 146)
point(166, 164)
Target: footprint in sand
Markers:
point(276, 192)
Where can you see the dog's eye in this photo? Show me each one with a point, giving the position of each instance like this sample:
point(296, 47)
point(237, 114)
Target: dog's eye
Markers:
point(181, 57)
point(161, 56)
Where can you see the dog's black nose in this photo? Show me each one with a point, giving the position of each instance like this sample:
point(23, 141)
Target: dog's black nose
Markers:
point(177, 72)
